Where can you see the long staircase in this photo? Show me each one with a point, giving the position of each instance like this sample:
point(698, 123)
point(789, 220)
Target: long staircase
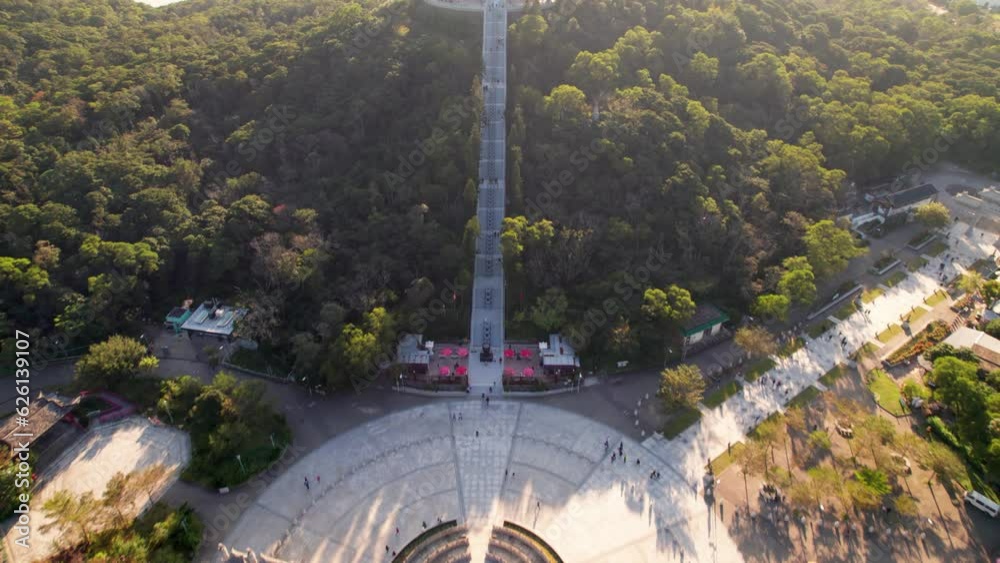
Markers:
point(488, 282)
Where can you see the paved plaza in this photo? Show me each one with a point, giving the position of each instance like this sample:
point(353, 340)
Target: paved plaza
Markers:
point(130, 445)
point(540, 467)
point(730, 422)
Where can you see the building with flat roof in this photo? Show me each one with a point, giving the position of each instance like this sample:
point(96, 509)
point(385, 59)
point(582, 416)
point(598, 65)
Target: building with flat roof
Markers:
point(703, 328)
point(984, 346)
point(212, 318)
point(558, 357)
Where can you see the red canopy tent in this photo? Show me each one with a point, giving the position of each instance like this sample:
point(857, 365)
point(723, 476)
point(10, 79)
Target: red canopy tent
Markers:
point(446, 352)
point(508, 371)
point(525, 353)
point(461, 370)
point(443, 370)
point(508, 353)
point(463, 352)
point(528, 372)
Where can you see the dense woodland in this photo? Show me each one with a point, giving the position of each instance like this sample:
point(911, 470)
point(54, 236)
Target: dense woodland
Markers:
point(316, 160)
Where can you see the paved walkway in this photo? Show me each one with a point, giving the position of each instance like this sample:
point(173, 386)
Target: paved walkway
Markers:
point(487, 328)
point(540, 467)
point(130, 445)
point(730, 422)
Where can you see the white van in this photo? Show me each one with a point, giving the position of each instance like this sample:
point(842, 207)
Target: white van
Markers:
point(982, 502)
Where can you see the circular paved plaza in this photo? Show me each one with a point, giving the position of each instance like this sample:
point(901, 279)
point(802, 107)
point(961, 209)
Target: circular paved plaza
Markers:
point(539, 467)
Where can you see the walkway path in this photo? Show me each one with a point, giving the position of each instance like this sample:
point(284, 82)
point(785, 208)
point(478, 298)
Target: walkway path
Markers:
point(488, 284)
point(537, 466)
point(730, 422)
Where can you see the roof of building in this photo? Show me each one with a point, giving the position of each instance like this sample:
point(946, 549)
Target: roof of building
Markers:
point(411, 350)
point(917, 194)
point(705, 316)
point(984, 346)
point(559, 353)
point(45, 412)
point(213, 318)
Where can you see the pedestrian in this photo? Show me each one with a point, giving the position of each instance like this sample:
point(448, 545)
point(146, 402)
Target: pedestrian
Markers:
point(387, 549)
point(487, 401)
point(637, 462)
point(317, 479)
point(614, 457)
point(307, 483)
point(460, 416)
point(505, 473)
point(477, 433)
point(729, 448)
point(482, 397)
point(623, 458)
point(397, 531)
point(424, 524)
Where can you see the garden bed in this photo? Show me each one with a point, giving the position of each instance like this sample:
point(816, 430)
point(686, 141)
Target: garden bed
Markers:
point(921, 240)
point(758, 368)
point(805, 397)
point(916, 263)
point(725, 459)
point(872, 294)
point(916, 314)
point(888, 334)
point(938, 297)
point(817, 330)
point(680, 422)
point(828, 378)
point(869, 350)
point(846, 310)
point(719, 396)
point(937, 247)
point(883, 265)
point(924, 340)
point(895, 278)
point(791, 347)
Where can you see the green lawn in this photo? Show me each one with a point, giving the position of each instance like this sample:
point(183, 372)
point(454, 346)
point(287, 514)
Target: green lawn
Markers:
point(888, 334)
point(846, 310)
point(831, 376)
point(758, 368)
point(868, 349)
point(935, 248)
point(915, 314)
point(871, 295)
point(895, 278)
point(916, 263)
point(680, 422)
point(817, 330)
point(791, 347)
point(939, 296)
point(886, 392)
point(805, 397)
point(722, 462)
point(719, 396)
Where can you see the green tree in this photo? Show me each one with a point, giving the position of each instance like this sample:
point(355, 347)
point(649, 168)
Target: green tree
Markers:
point(933, 215)
point(671, 306)
point(549, 312)
point(113, 363)
point(772, 306)
point(798, 282)
point(830, 247)
point(74, 516)
point(755, 340)
point(971, 282)
point(682, 386)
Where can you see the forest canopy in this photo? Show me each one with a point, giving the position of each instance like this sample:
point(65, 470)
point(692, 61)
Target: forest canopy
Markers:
point(315, 160)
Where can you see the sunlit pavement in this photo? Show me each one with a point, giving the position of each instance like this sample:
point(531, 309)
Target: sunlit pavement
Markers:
point(730, 422)
point(543, 468)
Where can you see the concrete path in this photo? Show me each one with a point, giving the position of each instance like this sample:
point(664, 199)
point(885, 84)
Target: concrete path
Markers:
point(730, 422)
point(487, 326)
point(543, 468)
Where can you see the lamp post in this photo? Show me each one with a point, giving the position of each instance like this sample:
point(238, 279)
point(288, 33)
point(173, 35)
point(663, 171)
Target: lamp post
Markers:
point(240, 460)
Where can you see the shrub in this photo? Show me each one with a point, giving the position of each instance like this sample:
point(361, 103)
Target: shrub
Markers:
point(912, 389)
point(941, 430)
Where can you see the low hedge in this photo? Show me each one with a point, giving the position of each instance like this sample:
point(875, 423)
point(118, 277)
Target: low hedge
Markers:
point(941, 430)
